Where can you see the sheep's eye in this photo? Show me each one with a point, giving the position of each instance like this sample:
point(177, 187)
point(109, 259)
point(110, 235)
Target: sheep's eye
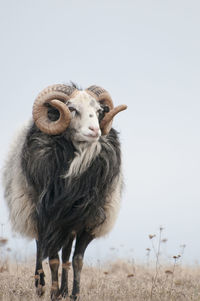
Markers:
point(106, 109)
point(72, 109)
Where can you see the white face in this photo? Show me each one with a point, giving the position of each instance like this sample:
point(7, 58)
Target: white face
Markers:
point(84, 117)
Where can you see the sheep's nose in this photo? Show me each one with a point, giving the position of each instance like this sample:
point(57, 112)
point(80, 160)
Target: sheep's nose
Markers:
point(95, 130)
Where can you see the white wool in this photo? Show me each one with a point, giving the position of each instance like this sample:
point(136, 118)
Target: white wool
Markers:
point(84, 155)
point(14, 181)
point(111, 207)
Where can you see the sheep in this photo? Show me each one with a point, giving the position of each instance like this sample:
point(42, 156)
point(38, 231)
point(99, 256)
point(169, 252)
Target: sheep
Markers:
point(63, 179)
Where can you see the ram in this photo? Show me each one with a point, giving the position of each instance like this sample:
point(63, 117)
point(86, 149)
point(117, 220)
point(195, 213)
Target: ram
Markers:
point(63, 179)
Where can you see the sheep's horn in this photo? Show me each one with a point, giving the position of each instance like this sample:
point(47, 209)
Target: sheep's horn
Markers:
point(104, 98)
point(106, 123)
point(55, 95)
point(101, 95)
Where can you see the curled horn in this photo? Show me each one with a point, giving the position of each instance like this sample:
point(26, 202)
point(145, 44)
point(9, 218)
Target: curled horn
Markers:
point(104, 97)
point(56, 96)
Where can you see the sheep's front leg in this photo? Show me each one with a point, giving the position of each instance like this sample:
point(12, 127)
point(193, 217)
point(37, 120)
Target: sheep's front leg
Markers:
point(39, 273)
point(82, 241)
point(54, 265)
point(66, 251)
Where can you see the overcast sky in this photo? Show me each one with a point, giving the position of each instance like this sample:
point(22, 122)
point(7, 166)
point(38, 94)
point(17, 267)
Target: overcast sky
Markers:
point(147, 55)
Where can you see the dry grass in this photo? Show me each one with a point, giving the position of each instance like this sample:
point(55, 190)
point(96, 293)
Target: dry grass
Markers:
point(114, 282)
point(117, 281)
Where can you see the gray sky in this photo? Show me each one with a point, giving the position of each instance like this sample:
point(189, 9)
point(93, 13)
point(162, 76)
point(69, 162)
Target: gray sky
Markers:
point(146, 54)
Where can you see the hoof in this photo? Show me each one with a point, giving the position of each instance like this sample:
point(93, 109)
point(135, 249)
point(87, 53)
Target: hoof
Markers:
point(75, 298)
point(64, 294)
point(55, 296)
point(40, 290)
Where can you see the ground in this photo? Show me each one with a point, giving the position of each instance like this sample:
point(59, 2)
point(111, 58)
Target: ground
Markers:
point(117, 281)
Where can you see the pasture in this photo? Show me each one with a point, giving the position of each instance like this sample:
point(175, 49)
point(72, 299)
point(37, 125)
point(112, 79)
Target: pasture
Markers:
point(112, 281)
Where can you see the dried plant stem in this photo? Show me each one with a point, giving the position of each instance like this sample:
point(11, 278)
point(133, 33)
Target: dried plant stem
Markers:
point(173, 272)
point(157, 254)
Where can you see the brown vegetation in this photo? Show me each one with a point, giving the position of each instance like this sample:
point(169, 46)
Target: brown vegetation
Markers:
point(114, 282)
point(117, 281)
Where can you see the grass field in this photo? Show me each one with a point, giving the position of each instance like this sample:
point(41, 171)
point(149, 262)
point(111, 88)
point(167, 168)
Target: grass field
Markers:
point(118, 281)
point(155, 280)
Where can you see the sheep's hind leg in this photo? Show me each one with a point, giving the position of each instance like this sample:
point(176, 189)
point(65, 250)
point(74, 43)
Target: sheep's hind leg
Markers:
point(39, 273)
point(82, 241)
point(66, 251)
point(54, 265)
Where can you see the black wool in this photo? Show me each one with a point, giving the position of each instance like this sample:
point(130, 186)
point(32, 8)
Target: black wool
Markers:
point(67, 204)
